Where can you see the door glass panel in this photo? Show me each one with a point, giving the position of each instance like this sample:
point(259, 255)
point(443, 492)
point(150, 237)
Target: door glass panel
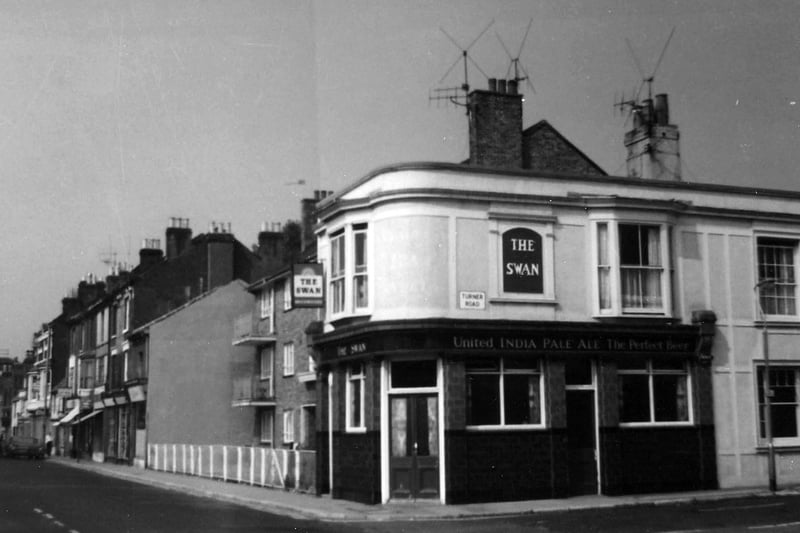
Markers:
point(399, 427)
point(433, 426)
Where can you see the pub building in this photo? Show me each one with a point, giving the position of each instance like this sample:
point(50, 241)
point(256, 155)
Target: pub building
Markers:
point(514, 327)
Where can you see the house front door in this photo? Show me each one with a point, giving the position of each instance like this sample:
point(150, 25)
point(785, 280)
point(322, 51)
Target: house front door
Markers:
point(414, 446)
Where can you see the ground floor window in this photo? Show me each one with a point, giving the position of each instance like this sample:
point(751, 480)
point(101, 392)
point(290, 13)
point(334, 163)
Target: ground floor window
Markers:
point(653, 391)
point(288, 427)
point(784, 383)
point(267, 424)
point(504, 391)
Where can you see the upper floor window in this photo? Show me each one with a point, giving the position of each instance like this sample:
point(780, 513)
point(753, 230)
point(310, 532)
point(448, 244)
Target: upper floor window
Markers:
point(288, 359)
point(653, 391)
point(267, 425)
point(287, 294)
point(265, 358)
point(337, 277)
point(126, 313)
point(288, 427)
point(266, 299)
point(360, 292)
point(776, 276)
point(632, 263)
point(349, 270)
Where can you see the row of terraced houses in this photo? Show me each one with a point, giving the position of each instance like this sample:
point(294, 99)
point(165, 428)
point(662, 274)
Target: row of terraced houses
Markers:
point(519, 325)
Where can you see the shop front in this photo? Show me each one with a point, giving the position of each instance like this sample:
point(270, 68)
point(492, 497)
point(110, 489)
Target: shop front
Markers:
point(475, 411)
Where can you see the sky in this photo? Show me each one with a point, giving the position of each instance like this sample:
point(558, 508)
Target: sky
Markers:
point(117, 115)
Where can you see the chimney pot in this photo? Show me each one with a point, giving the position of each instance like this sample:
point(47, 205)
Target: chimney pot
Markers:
point(501, 86)
point(512, 86)
point(493, 85)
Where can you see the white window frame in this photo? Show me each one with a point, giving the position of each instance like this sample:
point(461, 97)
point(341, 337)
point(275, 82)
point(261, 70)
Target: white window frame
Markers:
point(338, 274)
point(792, 365)
point(288, 359)
point(126, 314)
point(612, 265)
point(352, 378)
point(267, 429)
point(650, 373)
point(288, 427)
point(360, 275)
point(779, 283)
point(344, 275)
point(287, 293)
point(266, 304)
point(266, 367)
point(501, 373)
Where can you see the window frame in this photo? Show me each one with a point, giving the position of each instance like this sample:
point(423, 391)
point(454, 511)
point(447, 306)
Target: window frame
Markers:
point(348, 244)
point(501, 374)
point(288, 427)
point(762, 311)
point(287, 294)
point(609, 302)
point(267, 354)
point(651, 375)
point(351, 379)
point(288, 359)
point(266, 306)
point(267, 426)
point(793, 366)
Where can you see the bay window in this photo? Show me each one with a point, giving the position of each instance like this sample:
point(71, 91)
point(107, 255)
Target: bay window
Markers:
point(632, 268)
point(349, 272)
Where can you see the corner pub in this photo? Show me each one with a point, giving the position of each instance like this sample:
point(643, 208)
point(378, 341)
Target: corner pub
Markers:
point(496, 334)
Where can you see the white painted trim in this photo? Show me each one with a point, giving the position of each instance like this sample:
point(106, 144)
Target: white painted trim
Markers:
point(386, 490)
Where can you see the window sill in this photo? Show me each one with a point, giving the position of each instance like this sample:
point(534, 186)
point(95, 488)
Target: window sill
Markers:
point(523, 300)
point(519, 427)
point(655, 424)
point(356, 430)
point(782, 322)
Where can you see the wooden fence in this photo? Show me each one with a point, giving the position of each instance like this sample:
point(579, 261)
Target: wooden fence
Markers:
point(266, 467)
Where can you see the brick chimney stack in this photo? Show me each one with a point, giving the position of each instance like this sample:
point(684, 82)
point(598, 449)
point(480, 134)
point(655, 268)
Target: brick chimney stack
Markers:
point(150, 254)
point(179, 234)
point(308, 206)
point(495, 126)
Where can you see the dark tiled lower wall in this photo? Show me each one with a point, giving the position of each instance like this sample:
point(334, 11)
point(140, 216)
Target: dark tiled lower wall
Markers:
point(665, 459)
point(357, 467)
point(504, 466)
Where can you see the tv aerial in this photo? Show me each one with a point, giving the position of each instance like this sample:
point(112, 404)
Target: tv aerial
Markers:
point(634, 104)
point(514, 63)
point(458, 95)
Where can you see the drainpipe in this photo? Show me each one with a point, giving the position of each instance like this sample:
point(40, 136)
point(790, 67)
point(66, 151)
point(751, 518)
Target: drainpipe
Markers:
point(773, 484)
point(330, 432)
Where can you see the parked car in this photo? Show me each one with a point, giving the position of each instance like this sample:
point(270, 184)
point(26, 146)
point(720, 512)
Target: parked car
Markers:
point(29, 447)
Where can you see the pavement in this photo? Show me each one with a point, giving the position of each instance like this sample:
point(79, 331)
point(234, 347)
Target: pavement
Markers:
point(309, 506)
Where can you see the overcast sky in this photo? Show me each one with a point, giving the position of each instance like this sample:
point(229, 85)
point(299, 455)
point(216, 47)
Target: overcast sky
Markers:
point(117, 115)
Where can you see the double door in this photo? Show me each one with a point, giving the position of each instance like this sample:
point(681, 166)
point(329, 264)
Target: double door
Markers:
point(414, 446)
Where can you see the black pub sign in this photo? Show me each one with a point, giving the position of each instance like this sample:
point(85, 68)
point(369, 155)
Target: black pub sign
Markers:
point(522, 261)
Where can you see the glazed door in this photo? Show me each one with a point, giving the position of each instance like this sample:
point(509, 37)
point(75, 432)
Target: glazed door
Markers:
point(581, 442)
point(414, 446)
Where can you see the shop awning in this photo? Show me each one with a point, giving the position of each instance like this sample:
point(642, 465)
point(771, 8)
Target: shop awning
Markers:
point(87, 417)
point(69, 416)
